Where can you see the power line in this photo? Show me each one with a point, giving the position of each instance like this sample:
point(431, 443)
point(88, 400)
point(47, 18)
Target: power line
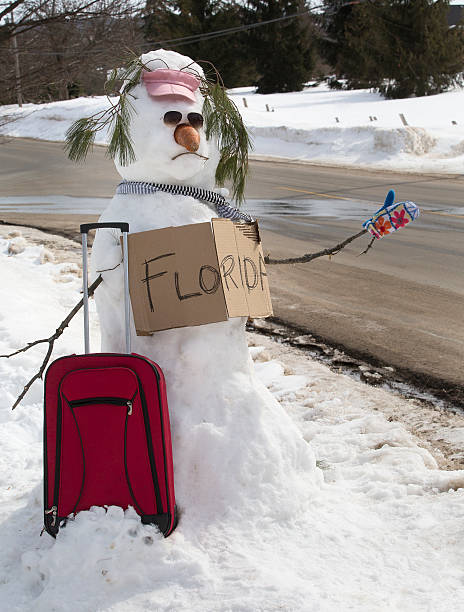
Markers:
point(192, 39)
point(217, 33)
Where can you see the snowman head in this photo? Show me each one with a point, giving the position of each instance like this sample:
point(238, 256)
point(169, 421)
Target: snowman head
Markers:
point(167, 127)
point(170, 125)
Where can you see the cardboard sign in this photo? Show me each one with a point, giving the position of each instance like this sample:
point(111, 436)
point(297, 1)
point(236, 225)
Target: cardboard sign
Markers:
point(197, 274)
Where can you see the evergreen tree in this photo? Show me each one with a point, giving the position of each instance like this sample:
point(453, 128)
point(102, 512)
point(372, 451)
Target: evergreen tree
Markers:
point(284, 50)
point(398, 47)
point(353, 42)
point(426, 56)
point(168, 19)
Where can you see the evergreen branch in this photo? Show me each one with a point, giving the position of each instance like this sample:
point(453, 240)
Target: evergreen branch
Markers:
point(224, 122)
point(121, 142)
point(51, 342)
point(80, 138)
point(110, 84)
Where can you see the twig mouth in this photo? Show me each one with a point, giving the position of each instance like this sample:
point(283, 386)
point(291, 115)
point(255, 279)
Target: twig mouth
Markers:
point(190, 153)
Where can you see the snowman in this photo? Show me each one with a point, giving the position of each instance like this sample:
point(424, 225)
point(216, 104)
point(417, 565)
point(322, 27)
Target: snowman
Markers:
point(235, 449)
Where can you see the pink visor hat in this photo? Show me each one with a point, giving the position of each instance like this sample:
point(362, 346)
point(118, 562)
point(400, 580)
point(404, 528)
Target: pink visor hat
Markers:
point(164, 83)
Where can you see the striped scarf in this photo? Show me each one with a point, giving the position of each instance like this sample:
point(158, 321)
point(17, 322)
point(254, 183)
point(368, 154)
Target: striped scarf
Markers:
point(210, 197)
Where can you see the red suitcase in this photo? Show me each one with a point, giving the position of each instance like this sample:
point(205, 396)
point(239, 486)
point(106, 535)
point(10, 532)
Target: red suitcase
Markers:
point(107, 437)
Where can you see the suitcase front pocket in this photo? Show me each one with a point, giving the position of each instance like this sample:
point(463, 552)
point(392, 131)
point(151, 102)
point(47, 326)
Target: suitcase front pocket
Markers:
point(100, 421)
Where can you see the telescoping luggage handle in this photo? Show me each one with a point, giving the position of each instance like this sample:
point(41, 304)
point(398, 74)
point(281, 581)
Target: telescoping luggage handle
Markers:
point(85, 228)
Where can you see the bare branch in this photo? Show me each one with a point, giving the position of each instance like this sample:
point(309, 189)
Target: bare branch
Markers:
point(25, 348)
point(7, 119)
point(310, 256)
point(66, 48)
point(369, 246)
point(10, 8)
point(36, 376)
point(51, 342)
point(33, 19)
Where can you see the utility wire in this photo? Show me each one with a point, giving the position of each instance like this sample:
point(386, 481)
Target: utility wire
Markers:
point(194, 38)
point(205, 36)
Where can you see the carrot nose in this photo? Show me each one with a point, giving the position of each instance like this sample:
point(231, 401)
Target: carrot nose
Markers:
point(187, 137)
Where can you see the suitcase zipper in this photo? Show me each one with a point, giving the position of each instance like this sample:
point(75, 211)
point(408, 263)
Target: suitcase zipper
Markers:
point(56, 486)
point(151, 454)
point(115, 401)
point(171, 511)
point(53, 511)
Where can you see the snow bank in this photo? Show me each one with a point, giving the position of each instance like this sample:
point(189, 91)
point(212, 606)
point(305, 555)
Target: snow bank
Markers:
point(381, 532)
point(318, 125)
point(348, 145)
point(49, 121)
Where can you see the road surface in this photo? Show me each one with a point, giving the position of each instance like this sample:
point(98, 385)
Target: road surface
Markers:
point(401, 304)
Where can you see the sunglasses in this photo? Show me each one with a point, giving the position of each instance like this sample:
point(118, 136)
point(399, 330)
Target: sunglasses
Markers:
point(172, 118)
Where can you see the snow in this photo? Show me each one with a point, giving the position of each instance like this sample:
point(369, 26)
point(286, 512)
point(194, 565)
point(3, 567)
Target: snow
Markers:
point(303, 126)
point(380, 529)
point(296, 489)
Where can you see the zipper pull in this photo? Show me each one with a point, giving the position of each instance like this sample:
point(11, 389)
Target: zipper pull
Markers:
point(53, 511)
point(129, 403)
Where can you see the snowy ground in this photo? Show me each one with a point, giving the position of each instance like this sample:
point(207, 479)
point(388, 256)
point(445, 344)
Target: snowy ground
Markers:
point(382, 531)
point(383, 526)
point(350, 128)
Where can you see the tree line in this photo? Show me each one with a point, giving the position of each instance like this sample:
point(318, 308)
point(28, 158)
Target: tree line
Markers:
point(59, 49)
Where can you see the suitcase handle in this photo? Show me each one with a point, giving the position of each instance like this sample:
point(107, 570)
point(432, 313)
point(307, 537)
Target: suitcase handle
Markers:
point(85, 228)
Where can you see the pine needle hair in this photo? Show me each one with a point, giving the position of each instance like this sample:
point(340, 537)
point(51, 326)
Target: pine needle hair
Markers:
point(223, 122)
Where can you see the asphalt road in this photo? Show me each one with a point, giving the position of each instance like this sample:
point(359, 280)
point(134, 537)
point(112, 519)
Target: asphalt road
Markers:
point(401, 304)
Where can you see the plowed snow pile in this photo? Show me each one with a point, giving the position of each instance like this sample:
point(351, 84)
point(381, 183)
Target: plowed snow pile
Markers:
point(348, 128)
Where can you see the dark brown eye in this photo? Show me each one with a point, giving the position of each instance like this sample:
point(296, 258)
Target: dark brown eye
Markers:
point(195, 119)
point(172, 117)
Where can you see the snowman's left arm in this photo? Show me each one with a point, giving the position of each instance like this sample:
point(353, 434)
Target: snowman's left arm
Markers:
point(388, 219)
point(330, 251)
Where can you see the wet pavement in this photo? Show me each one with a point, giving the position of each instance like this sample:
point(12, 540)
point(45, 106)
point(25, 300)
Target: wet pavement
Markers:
point(401, 305)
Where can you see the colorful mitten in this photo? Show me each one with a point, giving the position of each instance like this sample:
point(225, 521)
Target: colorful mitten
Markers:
point(391, 216)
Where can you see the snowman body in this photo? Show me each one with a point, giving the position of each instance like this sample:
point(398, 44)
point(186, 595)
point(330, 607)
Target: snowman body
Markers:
point(233, 444)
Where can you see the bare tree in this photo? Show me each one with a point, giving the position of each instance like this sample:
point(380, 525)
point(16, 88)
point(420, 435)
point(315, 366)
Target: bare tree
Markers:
point(31, 14)
point(65, 47)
